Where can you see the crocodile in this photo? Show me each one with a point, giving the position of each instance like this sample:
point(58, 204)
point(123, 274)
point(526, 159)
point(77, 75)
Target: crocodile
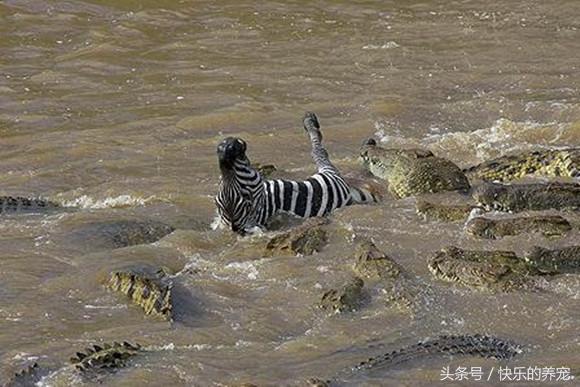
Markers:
point(410, 172)
point(93, 363)
point(10, 204)
point(399, 289)
point(373, 263)
point(533, 196)
point(346, 299)
point(475, 345)
point(105, 357)
point(305, 239)
point(556, 261)
point(152, 291)
point(468, 345)
point(120, 233)
point(548, 225)
point(539, 163)
point(28, 376)
point(493, 270)
point(444, 212)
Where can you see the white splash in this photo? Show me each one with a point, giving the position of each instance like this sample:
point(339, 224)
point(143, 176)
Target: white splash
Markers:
point(218, 223)
point(246, 267)
point(386, 46)
point(503, 137)
point(120, 201)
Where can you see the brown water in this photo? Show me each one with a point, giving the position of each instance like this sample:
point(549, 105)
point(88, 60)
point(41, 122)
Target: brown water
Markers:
point(115, 107)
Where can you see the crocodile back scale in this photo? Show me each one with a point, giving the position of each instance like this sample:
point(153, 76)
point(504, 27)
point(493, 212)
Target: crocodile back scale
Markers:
point(539, 163)
point(469, 345)
point(245, 200)
point(9, 204)
point(106, 356)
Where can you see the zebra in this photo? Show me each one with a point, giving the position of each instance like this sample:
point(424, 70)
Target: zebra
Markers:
point(246, 200)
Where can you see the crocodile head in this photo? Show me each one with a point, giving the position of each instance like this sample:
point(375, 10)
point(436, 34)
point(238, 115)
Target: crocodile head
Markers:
point(372, 262)
point(382, 162)
point(379, 161)
point(367, 151)
point(345, 299)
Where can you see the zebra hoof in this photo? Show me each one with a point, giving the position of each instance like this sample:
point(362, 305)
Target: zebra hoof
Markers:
point(311, 121)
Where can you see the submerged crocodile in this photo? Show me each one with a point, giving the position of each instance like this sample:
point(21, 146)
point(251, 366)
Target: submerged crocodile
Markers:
point(522, 197)
point(100, 235)
point(444, 212)
point(105, 357)
point(373, 263)
point(493, 270)
point(475, 345)
point(94, 363)
point(468, 345)
point(541, 163)
point(10, 204)
point(399, 289)
point(556, 261)
point(305, 239)
point(152, 291)
point(345, 299)
point(412, 171)
point(548, 225)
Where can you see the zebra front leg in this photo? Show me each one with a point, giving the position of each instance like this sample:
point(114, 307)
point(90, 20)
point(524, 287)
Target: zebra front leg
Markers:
point(319, 153)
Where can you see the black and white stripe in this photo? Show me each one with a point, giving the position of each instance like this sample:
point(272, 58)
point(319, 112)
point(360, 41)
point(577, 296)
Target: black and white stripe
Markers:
point(245, 200)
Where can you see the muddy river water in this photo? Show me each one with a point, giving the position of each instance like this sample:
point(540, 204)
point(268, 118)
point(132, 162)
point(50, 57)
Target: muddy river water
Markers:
point(115, 107)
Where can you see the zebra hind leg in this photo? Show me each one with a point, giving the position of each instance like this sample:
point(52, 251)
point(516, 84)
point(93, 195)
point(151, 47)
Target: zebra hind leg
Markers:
point(319, 153)
point(312, 126)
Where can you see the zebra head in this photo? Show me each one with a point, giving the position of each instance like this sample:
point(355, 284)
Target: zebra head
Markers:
point(240, 186)
point(230, 150)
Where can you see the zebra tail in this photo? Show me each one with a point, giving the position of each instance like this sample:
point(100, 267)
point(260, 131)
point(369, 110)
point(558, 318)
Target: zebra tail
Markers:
point(363, 195)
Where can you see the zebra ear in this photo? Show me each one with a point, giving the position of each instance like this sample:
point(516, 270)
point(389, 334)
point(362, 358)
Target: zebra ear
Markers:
point(243, 144)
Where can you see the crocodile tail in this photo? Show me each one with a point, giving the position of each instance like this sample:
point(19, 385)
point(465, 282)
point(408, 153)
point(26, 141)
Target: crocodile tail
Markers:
point(471, 345)
point(18, 203)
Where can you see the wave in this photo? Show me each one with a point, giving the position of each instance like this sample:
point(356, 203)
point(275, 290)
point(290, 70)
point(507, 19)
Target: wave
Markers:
point(503, 137)
point(119, 201)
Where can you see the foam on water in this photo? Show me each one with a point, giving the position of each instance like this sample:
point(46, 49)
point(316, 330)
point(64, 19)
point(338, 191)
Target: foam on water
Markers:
point(248, 268)
point(120, 201)
point(503, 137)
